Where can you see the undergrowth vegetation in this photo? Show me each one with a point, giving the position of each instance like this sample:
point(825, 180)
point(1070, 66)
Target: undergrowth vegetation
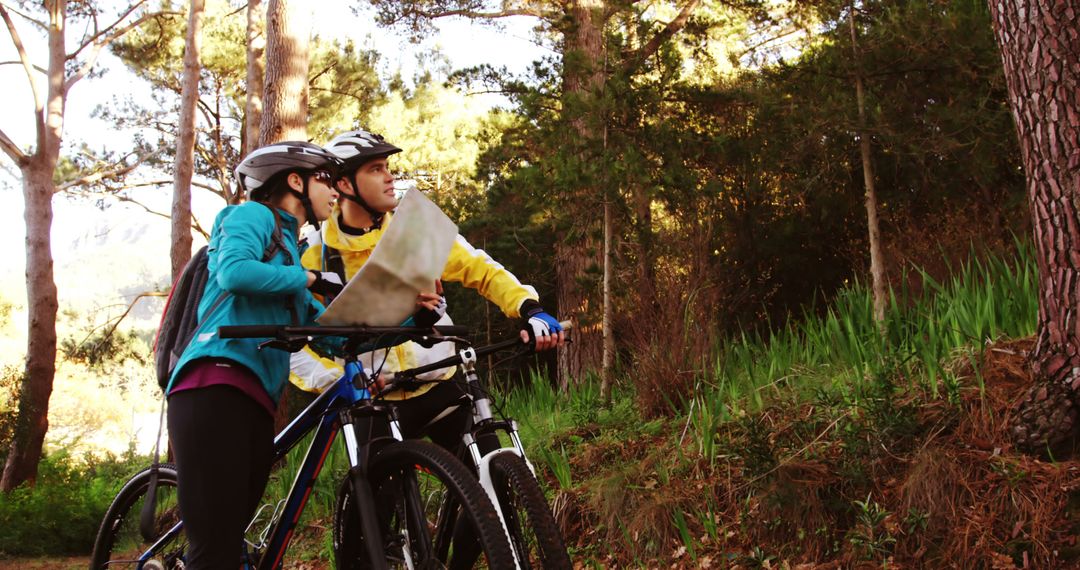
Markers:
point(61, 513)
point(828, 442)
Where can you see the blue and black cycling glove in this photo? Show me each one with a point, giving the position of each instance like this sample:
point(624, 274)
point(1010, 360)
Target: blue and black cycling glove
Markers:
point(538, 323)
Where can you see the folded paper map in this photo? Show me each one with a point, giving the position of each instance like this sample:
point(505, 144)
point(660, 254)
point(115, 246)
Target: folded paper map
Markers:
point(407, 260)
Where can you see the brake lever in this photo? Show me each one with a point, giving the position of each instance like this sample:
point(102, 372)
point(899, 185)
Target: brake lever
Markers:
point(404, 383)
point(430, 340)
point(293, 344)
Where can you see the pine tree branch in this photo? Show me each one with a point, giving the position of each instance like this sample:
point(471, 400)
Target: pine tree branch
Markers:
point(12, 150)
point(673, 27)
point(92, 40)
point(37, 68)
point(42, 26)
point(117, 194)
point(118, 171)
point(27, 66)
point(103, 38)
point(475, 15)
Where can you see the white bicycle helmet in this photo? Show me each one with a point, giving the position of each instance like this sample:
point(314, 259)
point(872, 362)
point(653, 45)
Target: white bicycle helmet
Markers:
point(354, 148)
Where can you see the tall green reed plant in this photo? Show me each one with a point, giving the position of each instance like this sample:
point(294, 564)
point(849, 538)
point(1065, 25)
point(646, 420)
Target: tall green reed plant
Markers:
point(983, 299)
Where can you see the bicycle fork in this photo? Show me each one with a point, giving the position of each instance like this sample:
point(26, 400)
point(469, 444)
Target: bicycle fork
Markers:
point(483, 419)
point(361, 443)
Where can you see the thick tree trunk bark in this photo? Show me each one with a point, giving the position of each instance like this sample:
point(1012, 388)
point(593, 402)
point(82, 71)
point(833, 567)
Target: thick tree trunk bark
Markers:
point(583, 77)
point(37, 383)
point(1041, 54)
point(180, 251)
point(256, 49)
point(285, 97)
point(38, 188)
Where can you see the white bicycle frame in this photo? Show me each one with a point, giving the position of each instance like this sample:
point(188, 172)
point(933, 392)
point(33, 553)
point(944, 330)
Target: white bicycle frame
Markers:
point(482, 412)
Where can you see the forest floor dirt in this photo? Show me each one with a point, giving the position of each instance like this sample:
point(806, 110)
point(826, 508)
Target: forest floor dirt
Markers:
point(62, 563)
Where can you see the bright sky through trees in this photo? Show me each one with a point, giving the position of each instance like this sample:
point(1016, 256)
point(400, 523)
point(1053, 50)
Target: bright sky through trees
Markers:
point(464, 45)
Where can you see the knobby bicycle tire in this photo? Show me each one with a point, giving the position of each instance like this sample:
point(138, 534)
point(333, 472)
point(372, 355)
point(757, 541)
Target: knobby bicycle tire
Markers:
point(433, 465)
point(119, 542)
point(535, 535)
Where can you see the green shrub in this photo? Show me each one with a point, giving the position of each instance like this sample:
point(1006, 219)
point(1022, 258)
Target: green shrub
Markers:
point(60, 514)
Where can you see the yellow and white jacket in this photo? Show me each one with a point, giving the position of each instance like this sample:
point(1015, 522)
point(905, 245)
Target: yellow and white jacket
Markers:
point(467, 265)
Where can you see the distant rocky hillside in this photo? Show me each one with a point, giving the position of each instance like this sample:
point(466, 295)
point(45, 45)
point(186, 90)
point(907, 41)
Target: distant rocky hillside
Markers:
point(103, 260)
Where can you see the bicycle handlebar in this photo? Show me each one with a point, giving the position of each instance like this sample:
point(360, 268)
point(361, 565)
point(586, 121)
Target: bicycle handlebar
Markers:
point(289, 332)
point(481, 351)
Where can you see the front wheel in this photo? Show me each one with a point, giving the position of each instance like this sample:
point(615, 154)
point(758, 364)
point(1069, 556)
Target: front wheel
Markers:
point(120, 543)
point(416, 478)
point(533, 531)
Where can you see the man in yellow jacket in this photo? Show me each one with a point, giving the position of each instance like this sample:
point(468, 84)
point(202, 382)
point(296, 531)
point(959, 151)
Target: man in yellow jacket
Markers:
point(344, 244)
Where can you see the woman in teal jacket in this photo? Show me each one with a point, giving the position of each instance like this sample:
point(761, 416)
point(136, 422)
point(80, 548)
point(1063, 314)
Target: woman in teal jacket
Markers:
point(223, 393)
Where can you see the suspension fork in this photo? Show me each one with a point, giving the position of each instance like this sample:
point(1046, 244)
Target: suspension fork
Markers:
point(357, 427)
point(484, 419)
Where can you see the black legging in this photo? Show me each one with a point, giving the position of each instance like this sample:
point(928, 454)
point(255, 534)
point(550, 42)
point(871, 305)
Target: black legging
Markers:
point(223, 442)
point(416, 415)
point(417, 419)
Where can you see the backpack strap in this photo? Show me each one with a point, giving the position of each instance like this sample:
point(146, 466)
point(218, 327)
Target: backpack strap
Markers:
point(277, 243)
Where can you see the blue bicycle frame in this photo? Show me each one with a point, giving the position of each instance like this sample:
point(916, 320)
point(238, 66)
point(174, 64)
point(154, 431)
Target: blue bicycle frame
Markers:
point(324, 416)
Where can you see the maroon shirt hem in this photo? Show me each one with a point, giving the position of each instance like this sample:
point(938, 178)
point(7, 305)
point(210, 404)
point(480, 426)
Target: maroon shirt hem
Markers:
point(207, 372)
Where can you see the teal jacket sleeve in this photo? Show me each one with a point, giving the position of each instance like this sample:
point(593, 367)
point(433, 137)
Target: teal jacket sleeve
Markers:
point(243, 237)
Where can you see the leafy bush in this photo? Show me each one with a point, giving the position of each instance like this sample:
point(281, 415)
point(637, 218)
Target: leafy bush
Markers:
point(61, 513)
point(10, 379)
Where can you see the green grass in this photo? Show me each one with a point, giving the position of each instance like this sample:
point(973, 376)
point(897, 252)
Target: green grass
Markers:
point(842, 347)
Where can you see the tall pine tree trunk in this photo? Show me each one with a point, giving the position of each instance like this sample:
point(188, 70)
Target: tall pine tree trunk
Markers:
point(256, 49)
point(607, 368)
point(285, 99)
point(33, 416)
point(873, 229)
point(1040, 50)
point(180, 252)
point(583, 77)
point(37, 170)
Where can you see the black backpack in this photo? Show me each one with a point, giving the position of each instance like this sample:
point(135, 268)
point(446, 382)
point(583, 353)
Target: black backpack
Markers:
point(180, 319)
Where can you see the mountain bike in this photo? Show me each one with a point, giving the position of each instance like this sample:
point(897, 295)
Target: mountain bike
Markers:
point(505, 472)
point(398, 485)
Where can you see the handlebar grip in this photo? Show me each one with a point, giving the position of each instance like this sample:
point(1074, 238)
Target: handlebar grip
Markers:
point(249, 331)
point(566, 325)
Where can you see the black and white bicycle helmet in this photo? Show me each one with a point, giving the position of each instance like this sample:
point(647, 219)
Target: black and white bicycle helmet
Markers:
point(262, 164)
point(259, 166)
point(354, 149)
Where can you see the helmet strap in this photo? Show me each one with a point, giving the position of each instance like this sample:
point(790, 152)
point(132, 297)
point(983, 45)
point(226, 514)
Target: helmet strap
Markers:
point(376, 216)
point(305, 200)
